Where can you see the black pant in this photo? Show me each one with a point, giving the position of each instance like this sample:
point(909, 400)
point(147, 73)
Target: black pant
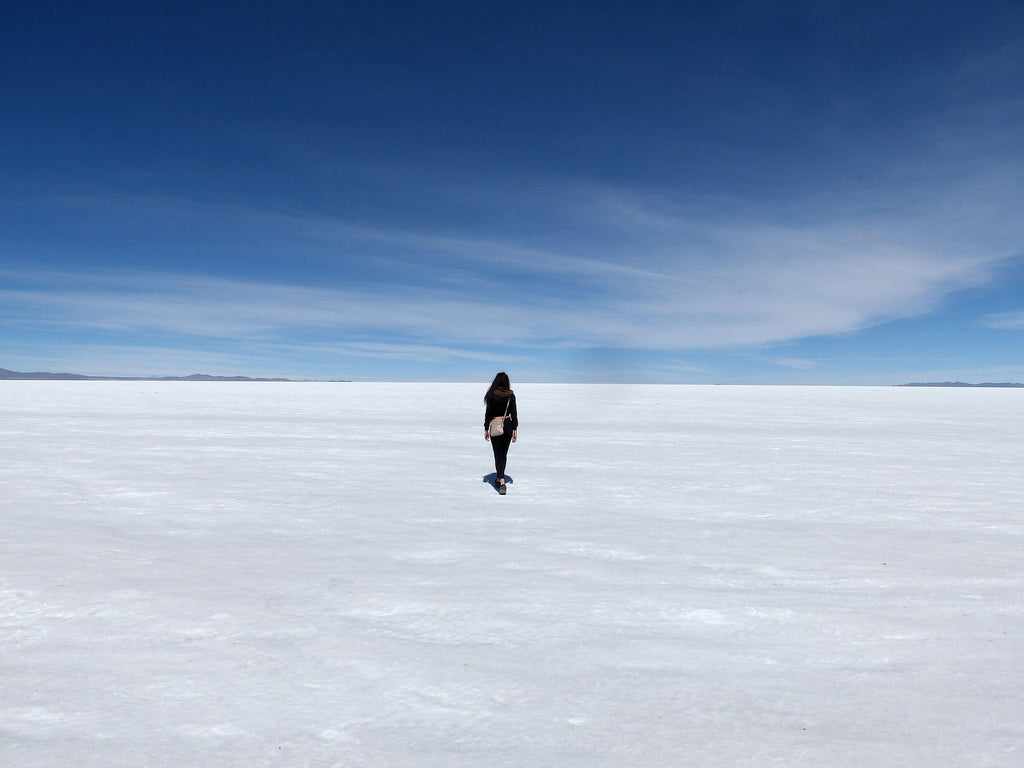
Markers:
point(500, 446)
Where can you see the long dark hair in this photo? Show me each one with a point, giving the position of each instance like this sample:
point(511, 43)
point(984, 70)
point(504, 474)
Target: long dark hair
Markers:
point(500, 385)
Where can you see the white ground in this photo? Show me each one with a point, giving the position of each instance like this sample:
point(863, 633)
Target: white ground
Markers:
point(207, 574)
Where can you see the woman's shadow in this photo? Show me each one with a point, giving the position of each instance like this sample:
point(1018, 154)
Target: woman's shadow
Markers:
point(492, 478)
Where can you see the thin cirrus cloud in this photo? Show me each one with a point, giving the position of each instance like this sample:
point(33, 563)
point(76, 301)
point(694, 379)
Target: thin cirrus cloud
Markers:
point(1005, 321)
point(615, 268)
point(731, 286)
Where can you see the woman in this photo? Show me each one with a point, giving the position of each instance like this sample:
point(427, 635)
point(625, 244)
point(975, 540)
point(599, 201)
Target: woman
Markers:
point(501, 404)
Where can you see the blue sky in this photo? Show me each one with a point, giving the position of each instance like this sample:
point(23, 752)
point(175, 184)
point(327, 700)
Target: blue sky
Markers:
point(735, 192)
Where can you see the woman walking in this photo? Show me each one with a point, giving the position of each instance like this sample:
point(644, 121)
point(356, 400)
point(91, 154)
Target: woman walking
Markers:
point(501, 408)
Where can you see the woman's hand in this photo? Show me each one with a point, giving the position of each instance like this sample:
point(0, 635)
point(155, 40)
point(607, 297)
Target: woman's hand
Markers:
point(487, 435)
point(514, 436)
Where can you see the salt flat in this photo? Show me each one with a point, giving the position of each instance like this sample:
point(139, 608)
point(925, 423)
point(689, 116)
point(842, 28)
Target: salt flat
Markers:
point(209, 574)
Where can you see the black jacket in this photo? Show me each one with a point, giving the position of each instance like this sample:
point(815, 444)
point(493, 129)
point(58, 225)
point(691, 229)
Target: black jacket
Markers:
point(496, 407)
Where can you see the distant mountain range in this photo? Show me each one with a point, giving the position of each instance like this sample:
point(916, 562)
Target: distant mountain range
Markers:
point(6, 375)
point(1004, 385)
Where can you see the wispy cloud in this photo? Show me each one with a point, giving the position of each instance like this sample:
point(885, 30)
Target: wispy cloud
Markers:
point(593, 266)
point(799, 364)
point(1005, 321)
point(682, 284)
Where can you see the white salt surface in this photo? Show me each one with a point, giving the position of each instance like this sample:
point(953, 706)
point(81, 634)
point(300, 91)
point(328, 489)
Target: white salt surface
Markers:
point(207, 574)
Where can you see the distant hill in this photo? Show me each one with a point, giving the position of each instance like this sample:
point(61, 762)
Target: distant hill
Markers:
point(6, 375)
point(1004, 385)
point(207, 377)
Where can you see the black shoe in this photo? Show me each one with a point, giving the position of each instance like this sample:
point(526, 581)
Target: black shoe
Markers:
point(502, 489)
